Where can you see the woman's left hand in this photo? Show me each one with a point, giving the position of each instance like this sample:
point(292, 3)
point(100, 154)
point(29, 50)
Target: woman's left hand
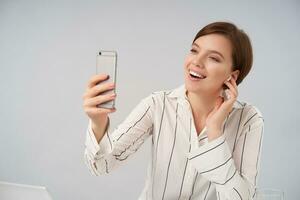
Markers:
point(221, 110)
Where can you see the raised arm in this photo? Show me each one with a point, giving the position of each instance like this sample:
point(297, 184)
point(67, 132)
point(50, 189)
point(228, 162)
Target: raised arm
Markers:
point(117, 145)
point(234, 172)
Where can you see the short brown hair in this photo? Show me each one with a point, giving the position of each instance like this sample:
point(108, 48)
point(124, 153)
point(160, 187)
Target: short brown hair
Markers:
point(242, 55)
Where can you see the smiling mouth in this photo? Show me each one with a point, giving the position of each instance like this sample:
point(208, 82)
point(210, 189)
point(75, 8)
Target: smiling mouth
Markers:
point(195, 75)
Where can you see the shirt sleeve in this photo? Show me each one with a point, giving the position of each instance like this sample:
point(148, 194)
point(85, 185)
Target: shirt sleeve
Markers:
point(117, 145)
point(234, 173)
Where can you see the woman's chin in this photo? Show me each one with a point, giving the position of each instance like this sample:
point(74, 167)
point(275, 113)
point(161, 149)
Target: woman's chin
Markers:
point(198, 87)
point(192, 87)
point(193, 83)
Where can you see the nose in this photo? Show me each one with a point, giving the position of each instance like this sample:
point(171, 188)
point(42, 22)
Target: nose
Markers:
point(198, 61)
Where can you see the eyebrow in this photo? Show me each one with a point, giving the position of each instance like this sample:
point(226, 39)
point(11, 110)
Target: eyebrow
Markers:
point(211, 51)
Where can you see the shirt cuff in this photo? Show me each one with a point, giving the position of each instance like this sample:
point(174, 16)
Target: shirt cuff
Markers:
point(213, 160)
point(95, 148)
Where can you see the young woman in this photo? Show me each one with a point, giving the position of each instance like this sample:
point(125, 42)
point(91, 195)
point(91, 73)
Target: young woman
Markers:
point(205, 143)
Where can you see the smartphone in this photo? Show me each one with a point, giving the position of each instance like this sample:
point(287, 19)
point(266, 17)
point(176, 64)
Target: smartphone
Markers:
point(106, 63)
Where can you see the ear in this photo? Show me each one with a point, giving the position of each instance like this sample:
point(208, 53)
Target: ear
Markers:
point(235, 74)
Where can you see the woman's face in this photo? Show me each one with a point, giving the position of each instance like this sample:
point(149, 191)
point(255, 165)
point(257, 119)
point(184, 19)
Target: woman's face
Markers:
point(209, 56)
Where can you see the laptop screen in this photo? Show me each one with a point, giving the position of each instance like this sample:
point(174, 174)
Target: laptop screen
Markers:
point(13, 191)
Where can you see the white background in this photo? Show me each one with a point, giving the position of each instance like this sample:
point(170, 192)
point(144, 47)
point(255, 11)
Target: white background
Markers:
point(48, 53)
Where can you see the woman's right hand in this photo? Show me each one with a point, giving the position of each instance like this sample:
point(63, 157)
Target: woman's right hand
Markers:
point(93, 96)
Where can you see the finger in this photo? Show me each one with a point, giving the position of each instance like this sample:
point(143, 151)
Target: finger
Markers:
point(230, 95)
point(219, 102)
point(233, 82)
point(98, 89)
point(93, 102)
point(96, 79)
point(232, 89)
point(235, 86)
point(96, 110)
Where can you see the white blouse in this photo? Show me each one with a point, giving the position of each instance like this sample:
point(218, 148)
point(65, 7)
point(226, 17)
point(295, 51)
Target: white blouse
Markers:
point(184, 165)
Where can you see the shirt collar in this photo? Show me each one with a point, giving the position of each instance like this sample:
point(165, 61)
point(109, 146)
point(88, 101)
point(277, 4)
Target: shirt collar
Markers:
point(180, 94)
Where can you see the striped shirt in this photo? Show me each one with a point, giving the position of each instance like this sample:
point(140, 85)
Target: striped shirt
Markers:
point(184, 165)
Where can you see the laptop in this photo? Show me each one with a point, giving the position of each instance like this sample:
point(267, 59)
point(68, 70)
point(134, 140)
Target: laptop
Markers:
point(14, 191)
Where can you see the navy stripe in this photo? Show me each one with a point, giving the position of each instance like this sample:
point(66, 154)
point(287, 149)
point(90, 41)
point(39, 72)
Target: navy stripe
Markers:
point(169, 92)
point(227, 120)
point(202, 138)
point(190, 133)
point(238, 129)
point(160, 122)
point(207, 150)
point(154, 162)
point(225, 124)
point(152, 138)
point(227, 180)
point(258, 154)
point(93, 163)
point(118, 155)
point(250, 118)
point(254, 193)
point(106, 166)
point(134, 123)
point(90, 164)
point(217, 166)
point(207, 190)
point(153, 101)
point(241, 103)
point(183, 179)
point(238, 193)
point(193, 186)
point(121, 159)
point(171, 155)
point(185, 163)
point(242, 156)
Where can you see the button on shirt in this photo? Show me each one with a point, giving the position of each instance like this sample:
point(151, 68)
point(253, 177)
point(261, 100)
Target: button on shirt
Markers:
point(183, 164)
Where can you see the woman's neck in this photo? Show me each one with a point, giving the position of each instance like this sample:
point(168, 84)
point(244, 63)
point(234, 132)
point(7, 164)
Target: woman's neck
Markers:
point(202, 104)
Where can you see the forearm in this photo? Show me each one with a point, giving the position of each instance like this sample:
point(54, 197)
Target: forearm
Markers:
point(107, 148)
point(99, 129)
point(215, 162)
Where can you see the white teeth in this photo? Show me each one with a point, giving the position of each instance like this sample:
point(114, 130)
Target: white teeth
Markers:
point(196, 74)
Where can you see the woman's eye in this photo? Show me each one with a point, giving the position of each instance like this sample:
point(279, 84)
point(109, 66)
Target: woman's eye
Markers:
point(193, 50)
point(215, 59)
